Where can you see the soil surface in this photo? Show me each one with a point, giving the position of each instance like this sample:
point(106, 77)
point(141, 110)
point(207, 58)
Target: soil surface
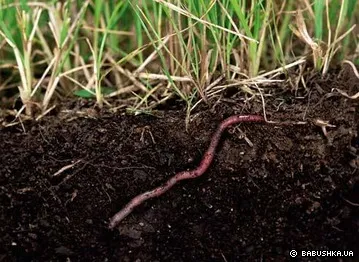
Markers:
point(271, 188)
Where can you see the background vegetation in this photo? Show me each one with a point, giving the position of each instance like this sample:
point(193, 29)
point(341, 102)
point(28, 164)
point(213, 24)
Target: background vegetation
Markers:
point(144, 52)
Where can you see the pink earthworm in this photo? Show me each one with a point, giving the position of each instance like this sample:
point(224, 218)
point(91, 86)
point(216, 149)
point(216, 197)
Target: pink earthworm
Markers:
point(203, 166)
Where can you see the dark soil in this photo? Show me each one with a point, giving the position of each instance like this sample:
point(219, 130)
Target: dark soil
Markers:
point(271, 188)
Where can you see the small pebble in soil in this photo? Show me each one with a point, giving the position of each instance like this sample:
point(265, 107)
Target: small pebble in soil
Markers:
point(62, 250)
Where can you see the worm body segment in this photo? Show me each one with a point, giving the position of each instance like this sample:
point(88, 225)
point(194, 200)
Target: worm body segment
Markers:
point(198, 171)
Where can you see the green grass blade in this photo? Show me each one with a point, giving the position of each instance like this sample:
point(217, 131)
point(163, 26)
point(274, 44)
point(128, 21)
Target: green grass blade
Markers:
point(319, 17)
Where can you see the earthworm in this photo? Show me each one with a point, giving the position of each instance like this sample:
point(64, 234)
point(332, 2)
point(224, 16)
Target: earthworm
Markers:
point(203, 166)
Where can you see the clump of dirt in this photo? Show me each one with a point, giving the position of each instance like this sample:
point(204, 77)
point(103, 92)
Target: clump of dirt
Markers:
point(271, 188)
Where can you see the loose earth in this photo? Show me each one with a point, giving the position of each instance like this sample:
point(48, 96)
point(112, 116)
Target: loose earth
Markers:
point(269, 190)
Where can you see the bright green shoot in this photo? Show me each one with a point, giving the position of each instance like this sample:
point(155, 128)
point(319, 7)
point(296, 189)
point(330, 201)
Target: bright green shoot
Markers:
point(100, 40)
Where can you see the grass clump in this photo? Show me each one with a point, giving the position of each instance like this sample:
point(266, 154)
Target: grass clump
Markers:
point(146, 52)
